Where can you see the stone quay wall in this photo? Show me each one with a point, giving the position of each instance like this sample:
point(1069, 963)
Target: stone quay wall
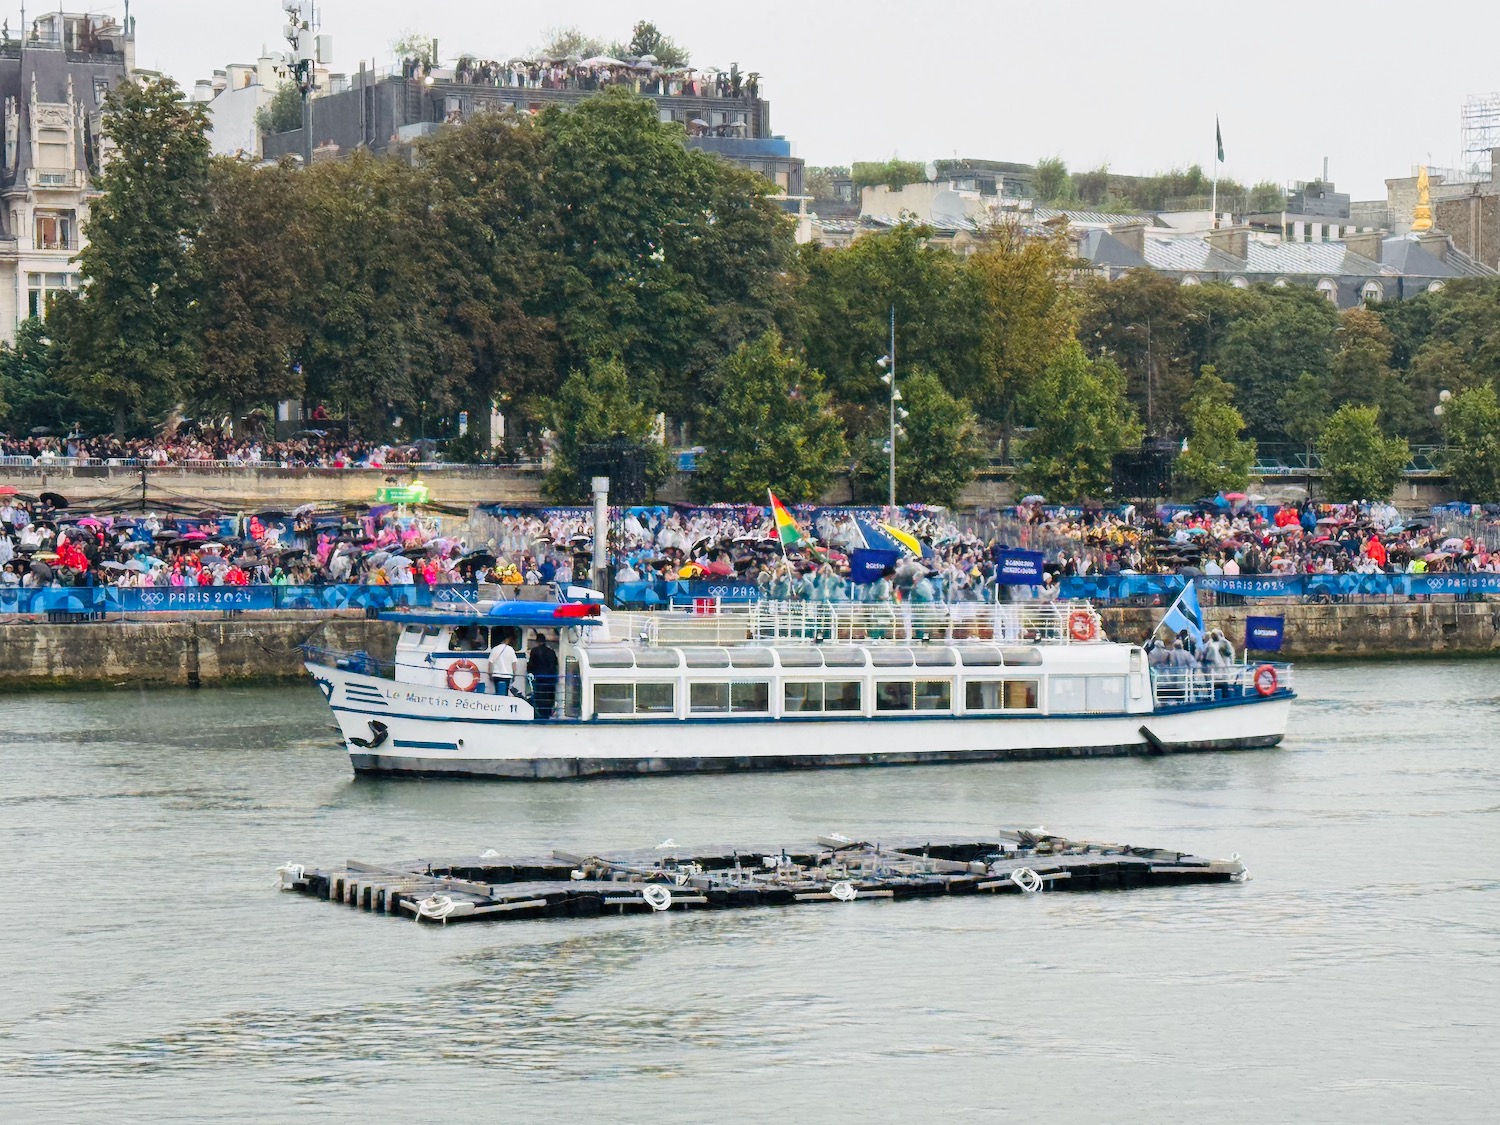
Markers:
point(186, 650)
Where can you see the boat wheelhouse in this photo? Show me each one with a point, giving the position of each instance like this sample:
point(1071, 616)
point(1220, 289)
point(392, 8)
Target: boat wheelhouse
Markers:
point(776, 686)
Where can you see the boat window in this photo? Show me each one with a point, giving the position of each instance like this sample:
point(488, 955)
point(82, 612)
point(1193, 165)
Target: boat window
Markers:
point(706, 658)
point(1104, 693)
point(750, 657)
point(934, 695)
point(657, 658)
point(655, 698)
point(842, 695)
point(620, 657)
point(431, 630)
point(1065, 695)
point(893, 695)
point(891, 657)
point(614, 699)
point(934, 657)
point(1023, 657)
point(572, 695)
point(844, 657)
point(838, 695)
point(750, 698)
point(998, 695)
point(980, 657)
point(801, 696)
point(411, 632)
point(800, 657)
point(708, 697)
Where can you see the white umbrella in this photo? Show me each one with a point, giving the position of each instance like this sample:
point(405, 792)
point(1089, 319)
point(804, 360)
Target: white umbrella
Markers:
point(601, 60)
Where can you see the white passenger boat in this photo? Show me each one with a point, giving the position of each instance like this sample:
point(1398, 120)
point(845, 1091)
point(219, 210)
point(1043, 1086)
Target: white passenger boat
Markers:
point(776, 686)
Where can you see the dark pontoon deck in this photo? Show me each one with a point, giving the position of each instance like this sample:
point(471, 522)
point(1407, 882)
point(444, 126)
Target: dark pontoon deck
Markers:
point(672, 877)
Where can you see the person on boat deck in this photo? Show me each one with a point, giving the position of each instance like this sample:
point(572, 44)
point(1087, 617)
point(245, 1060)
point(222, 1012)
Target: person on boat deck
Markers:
point(542, 664)
point(502, 664)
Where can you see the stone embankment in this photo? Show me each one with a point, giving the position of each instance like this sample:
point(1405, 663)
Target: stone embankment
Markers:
point(184, 650)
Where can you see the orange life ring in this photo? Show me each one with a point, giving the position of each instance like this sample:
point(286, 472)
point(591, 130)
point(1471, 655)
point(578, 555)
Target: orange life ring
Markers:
point(1081, 626)
point(1265, 680)
point(463, 666)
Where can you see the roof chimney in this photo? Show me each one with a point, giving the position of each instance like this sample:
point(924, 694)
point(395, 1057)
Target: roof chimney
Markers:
point(1234, 241)
point(1366, 243)
point(1132, 235)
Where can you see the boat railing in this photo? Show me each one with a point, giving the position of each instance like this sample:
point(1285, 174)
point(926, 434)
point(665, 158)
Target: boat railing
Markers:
point(867, 623)
point(359, 662)
point(1174, 687)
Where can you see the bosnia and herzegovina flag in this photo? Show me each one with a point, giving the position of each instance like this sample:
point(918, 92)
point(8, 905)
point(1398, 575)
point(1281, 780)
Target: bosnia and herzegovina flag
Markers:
point(787, 530)
point(1185, 613)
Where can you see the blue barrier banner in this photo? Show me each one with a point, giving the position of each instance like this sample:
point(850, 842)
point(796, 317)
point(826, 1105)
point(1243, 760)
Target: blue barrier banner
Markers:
point(1315, 587)
point(106, 600)
point(866, 564)
point(1019, 568)
point(1264, 634)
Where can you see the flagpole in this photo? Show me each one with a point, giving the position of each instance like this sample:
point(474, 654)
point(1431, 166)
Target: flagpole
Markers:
point(1213, 206)
point(776, 527)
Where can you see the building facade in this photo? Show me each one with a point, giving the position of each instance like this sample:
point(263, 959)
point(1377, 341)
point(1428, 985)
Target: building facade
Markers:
point(53, 82)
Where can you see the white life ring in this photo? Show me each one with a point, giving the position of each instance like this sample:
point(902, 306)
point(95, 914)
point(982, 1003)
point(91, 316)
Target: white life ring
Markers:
point(657, 897)
point(471, 672)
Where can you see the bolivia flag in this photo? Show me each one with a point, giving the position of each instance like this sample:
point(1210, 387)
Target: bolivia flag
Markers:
point(786, 527)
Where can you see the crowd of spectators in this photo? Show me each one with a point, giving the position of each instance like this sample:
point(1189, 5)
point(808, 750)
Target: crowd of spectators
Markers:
point(315, 449)
point(642, 76)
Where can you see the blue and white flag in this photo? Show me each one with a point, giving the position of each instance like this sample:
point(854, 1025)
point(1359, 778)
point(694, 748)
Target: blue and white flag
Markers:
point(1185, 613)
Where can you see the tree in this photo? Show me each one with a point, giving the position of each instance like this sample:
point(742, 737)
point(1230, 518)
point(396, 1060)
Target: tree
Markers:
point(1293, 331)
point(820, 181)
point(768, 424)
point(134, 335)
point(1471, 424)
point(1028, 316)
point(1140, 321)
point(411, 45)
point(283, 114)
point(892, 173)
point(1216, 460)
point(1361, 370)
point(936, 459)
point(1304, 413)
point(569, 43)
point(1360, 463)
point(645, 39)
point(599, 406)
point(253, 245)
point(1082, 421)
point(30, 394)
point(1267, 196)
point(1050, 180)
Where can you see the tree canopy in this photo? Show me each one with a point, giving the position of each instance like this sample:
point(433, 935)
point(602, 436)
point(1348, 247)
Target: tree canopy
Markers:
point(1081, 422)
point(1361, 463)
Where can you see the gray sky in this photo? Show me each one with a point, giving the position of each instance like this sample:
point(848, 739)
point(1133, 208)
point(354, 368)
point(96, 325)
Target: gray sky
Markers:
point(1375, 87)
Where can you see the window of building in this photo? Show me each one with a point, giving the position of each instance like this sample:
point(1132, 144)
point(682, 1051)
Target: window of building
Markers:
point(42, 288)
point(54, 230)
point(1329, 289)
point(52, 150)
point(1435, 287)
point(1372, 293)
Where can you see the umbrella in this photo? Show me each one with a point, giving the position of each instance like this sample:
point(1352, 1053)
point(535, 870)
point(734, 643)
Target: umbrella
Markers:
point(1033, 499)
point(7, 490)
point(1453, 543)
point(54, 499)
point(1431, 556)
point(601, 60)
point(135, 565)
point(89, 521)
point(1234, 496)
point(116, 566)
point(165, 534)
point(42, 571)
point(478, 558)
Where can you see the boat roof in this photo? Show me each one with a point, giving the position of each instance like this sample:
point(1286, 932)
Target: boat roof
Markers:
point(536, 615)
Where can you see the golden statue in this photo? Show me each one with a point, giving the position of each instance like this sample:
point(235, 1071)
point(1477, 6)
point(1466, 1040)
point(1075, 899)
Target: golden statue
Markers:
point(1421, 221)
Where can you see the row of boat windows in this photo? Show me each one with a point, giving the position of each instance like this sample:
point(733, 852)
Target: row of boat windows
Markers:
point(812, 656)
point(1068, 694)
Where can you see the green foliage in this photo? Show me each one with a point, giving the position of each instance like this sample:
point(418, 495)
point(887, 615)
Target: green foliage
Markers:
point(768, 424)
point(1471, 423)
point(1050, 180)
point(819, 181)
point(892, 173)
point(1304, 409)
point(646, 39)
point(1081, 421)
point(284, 112)
point(414, 45)
point(1140, 322)
point(1216, 460)
point(134, 338)
point(1359, 461)
point(569, 42)
point(1267, 196)
point(936, 459)
point(1264, 352)
point(599, 405)
point(31, 394)
point(1092, 187)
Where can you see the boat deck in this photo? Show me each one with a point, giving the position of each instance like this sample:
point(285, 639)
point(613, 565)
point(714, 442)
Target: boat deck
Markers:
point(672, 877)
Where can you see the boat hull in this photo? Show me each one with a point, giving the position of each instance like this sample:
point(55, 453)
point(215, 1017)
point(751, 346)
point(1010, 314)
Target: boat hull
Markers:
point(485, 741)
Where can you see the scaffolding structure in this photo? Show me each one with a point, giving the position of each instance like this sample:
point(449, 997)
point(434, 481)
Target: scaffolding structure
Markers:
point(1481, 133)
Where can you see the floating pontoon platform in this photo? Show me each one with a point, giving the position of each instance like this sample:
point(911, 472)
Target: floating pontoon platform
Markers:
point(671, 877)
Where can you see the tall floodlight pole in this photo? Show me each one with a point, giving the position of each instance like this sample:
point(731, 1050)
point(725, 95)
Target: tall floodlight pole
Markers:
point(888, 362)
point(301, 61)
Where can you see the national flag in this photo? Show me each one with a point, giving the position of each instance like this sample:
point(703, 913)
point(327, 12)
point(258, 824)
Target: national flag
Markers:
point(1185, 613)
point(1219, 137)
point(910, 542)
point(787, 531)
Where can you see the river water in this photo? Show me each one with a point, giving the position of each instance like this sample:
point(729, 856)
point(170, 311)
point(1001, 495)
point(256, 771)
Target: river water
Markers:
point(152, 971)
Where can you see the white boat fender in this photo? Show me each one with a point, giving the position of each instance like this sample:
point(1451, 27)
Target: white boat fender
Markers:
point(657, 897)
point(844, 892)
point(1027, 879)
point(288, 874)
point(437, 907)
